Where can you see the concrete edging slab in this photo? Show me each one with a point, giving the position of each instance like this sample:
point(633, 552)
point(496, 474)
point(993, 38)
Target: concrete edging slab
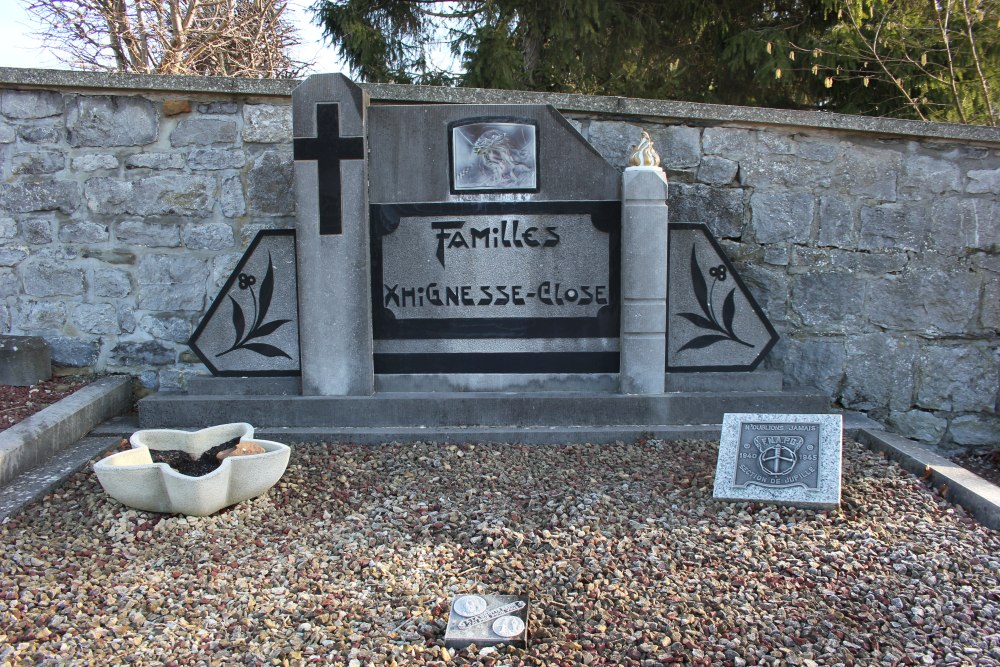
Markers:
point(956, 484)
point(47, 432)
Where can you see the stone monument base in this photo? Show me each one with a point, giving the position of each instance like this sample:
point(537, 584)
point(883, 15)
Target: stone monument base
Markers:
point(541, 416)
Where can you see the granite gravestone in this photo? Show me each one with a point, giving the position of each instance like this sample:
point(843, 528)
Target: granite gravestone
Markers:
point(490, 246)
point(784, 459)
point(487, 620)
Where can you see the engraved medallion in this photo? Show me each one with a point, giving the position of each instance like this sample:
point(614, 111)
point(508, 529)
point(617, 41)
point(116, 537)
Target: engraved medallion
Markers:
point(470, 605)
point(508, 626)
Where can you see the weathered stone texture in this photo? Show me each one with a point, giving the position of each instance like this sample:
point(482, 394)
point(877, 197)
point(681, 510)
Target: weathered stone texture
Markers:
point(208, 159)
point(203, 132)
point(879, 373)
point(270, 187)
point(155, 161)
point(679, 147)
point(73, 352)
point(38, 162)
point(107, 120)
point(146, 353)
point(50, 278)
point(722, 209)
point(926, 302)
point(208, 236)
point(974, 430)
point(33, 193)
point(83, 231)
point(25, 104)
point(166, 194)
point(152, 234)
point(110, 282)
point(780, 217)
point(94, 162)
point(266, 123)
point(96, 318)
point(829, 301)
point(918, 425)
point(959, 378)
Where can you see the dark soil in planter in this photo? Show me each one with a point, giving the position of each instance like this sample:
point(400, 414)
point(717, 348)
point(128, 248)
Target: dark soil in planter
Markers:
point(185, 465)
point(986, 464)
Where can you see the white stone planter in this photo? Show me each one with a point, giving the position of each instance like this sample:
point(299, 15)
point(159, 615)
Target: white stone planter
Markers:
point(133, 479)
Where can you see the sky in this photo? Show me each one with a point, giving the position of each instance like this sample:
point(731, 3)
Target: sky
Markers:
point(21, 48)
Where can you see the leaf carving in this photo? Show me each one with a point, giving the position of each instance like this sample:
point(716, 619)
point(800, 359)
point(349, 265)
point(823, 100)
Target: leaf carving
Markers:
point(267, 329)
point(266, 290)
point(265, 349)
point(729, 311)
point(239, 322)
point(699, 321)
point(698, 284)
point(702, 341)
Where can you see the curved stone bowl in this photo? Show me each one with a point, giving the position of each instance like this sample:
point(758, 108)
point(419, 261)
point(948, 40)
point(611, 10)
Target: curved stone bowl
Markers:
point(131, 477)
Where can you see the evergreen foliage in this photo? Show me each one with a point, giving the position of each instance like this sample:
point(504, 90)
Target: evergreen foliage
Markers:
point(930, 59)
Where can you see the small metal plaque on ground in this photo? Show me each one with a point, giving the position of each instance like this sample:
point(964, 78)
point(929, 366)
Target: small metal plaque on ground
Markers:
point(487, 620)
point(785, 459)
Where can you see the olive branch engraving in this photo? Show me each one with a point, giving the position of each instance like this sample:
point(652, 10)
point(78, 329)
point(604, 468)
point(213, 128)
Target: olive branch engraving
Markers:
point(708, 320)
point(258, 328)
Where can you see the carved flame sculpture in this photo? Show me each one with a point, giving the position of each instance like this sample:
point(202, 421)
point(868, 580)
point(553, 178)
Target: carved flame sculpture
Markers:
point(644, 155)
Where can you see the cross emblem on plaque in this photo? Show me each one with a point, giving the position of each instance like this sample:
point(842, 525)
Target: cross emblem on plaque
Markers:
point(328, 148)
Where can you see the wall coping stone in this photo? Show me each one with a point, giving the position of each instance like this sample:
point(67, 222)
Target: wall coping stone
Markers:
point(707, 114)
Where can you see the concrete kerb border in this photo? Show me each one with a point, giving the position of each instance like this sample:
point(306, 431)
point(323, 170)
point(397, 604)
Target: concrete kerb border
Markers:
point(32, 441)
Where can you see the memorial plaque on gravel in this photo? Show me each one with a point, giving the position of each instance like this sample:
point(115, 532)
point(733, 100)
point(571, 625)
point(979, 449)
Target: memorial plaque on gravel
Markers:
point(487, 620)
point(786, 459)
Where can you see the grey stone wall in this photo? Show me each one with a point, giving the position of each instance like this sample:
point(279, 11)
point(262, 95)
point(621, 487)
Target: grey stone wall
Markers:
point(872, 244)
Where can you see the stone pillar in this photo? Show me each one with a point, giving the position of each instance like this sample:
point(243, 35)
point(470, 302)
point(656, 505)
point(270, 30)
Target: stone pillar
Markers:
point(331, 237)
point(644, 280)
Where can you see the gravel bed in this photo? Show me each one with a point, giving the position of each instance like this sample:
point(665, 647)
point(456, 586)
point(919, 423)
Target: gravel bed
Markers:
point(16, 403)
point(352, 558)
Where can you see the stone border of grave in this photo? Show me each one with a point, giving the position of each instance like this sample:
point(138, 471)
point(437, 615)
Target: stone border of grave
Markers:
point(32, 441)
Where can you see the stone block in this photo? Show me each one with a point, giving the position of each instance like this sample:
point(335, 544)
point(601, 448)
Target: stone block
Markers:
point(925, 301)
point(12, 255)
point(40, 135)
point(4, 318)
point(51, 278)
point(166, 327)
point(722, 209)
point(126, 318)
point(815, 363)
point(24, 360)
point(9, 284)
point(111, 120)
point(777, 255)
point(210, 159)
point(960, 225)
point(83, 231)
point(267, 123)
point(7, 133)
point(775, 143)
point(781, 217)
point(613, 140)
point(918, 425)
point(94, 162)
point(151, 234)
point(975, 431)
point(893, 227)
point(679, 146)
point(36, 231)
point(144, 353)
point(158, 161)
point(223, 265)
point(171, 269)
point(38, 162)
point(869, 173)
point(231, 198)
point(109, 256)
point(28, 104)
point(163, 194)
point(30, 194)
point(717, 171)
point(203, 132)
point(836, 223)
point(8, 228)
point(220, 108)
point(829, 301)
point(208, 236)
point(817, 149)
point(96, 318)
point(112, 283)
point(878, 373)
point(930, 174)
point(40, 315)
point(983, 181)
point(184, 297)
point(269, 184)
point(961, 378)
point(74, 352)
point(731, 143)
